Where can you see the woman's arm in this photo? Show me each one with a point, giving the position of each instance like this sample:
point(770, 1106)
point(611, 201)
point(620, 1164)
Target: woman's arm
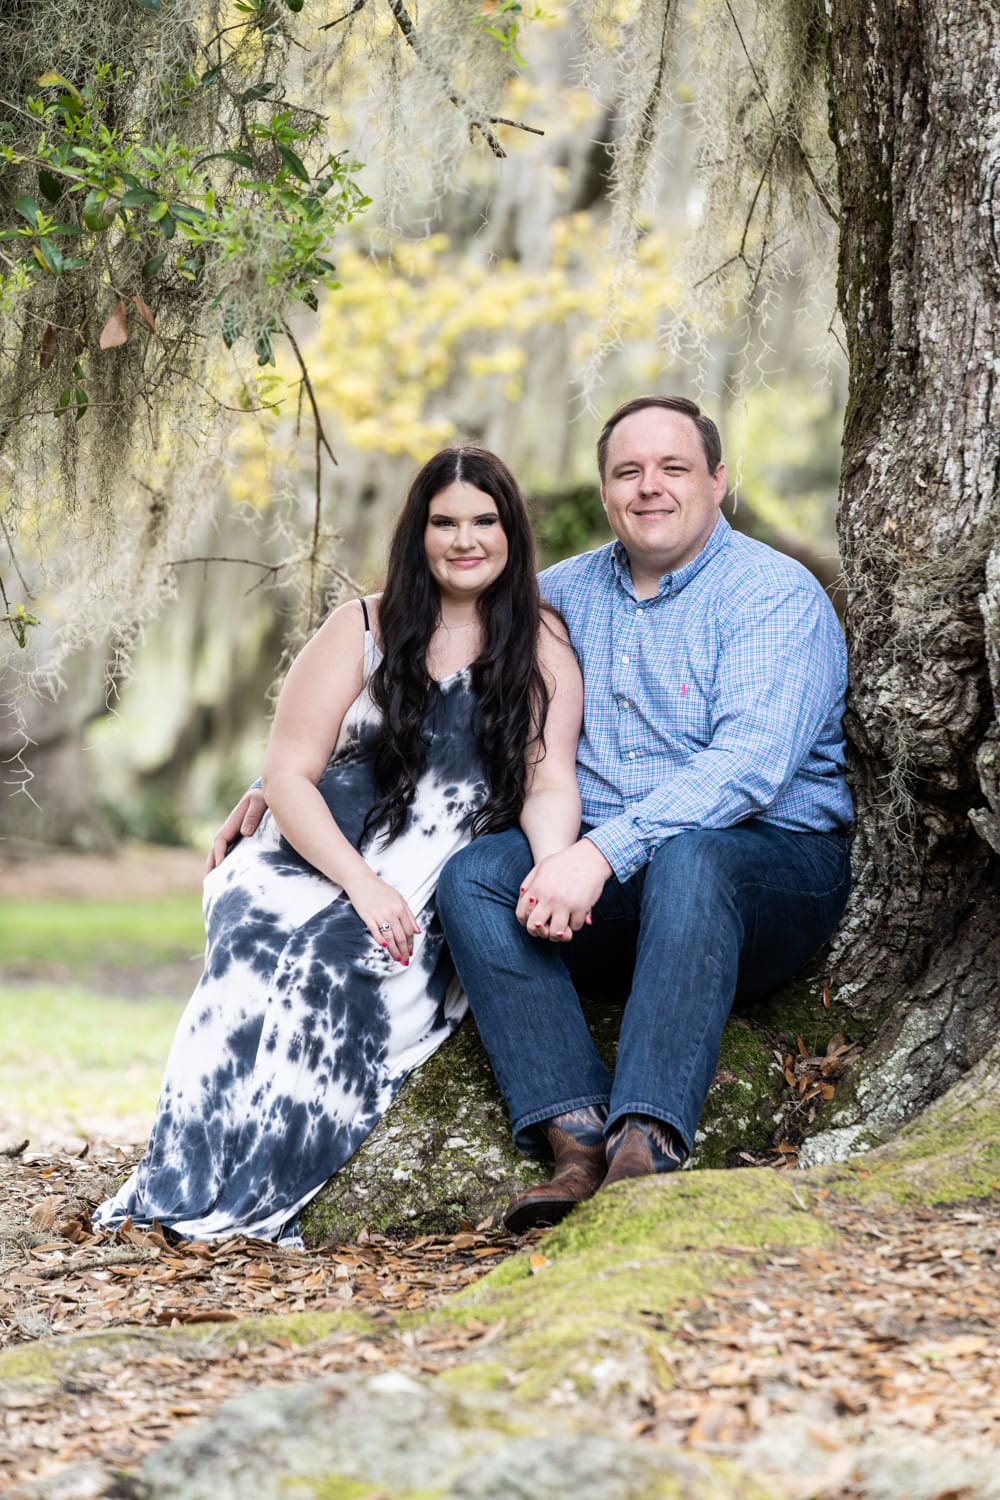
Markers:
point(550, 817)
point(321, 685)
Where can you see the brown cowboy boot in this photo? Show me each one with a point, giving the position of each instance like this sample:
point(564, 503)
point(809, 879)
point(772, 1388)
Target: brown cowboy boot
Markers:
point(579, 1168)
point(640, 1146)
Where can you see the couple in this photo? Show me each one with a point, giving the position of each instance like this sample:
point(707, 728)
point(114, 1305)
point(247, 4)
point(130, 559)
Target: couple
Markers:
point(438, 771)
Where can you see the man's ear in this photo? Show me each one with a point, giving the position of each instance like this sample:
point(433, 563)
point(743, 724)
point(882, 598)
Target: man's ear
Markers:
point(604, 498)
point(719, 484)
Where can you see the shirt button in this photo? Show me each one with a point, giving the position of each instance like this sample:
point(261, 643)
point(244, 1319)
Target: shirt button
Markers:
point(625, 661)
point(638, 611)
point(631, 755)
point(626, 704)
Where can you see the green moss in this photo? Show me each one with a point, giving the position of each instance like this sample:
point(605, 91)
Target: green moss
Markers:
point(798, 1011)
point(337, 1487)
point(740, 1111)
point(481, 1375)
point(949, 1154)
point(47, 1361)
point(621, 1271)
point(450, 1128)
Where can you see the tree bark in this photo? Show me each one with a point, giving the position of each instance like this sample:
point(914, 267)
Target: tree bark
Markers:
point(915, 118)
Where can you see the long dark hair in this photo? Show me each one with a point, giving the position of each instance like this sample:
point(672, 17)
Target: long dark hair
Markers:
point(510, 689)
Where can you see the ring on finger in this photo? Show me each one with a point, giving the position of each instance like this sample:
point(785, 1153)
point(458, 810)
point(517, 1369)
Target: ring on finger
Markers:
point(385, 927)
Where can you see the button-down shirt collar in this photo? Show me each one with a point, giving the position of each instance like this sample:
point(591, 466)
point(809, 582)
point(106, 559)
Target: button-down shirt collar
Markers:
point(671, 583)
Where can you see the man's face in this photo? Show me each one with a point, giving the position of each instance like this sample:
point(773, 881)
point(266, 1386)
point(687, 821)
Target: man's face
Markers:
point(660, 499)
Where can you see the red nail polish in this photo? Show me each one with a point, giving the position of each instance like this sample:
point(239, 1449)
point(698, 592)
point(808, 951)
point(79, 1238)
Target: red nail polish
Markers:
point(532, 900)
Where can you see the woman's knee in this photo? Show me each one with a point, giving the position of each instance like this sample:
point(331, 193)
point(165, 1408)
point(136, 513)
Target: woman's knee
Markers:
point(495, 863)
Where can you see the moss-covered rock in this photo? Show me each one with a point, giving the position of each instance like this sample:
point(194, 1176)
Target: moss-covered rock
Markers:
point(391, 1437)
point(948, 1154)
point(595, 1301)
point(51, 1361)
point(443, 1153)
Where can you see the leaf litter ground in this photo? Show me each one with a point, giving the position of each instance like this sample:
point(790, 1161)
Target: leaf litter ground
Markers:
point(894, 1329)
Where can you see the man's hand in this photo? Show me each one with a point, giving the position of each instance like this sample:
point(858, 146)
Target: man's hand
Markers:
point(559, 892)
point(243, 819)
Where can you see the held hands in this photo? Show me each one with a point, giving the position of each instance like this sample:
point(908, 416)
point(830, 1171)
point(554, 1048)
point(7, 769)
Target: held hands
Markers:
point(244, 819)
point(386, 915)
point(557, 895)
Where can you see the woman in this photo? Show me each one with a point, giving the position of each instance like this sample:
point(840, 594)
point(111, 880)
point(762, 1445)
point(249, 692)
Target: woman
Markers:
point(447, 707)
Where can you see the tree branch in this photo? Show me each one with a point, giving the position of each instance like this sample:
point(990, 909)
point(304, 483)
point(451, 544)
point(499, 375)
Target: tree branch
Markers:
point(358, 5)
point(406, 26)
point(803, 158)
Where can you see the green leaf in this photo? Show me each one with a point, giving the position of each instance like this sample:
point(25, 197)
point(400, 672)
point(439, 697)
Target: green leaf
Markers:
point(82, 401)
point(72, 230)
point(159, 211)
point(50, 186)
point(168, 226)
point(49, 80)
point(152, 6)
point(186, 214)
point(98, 210)
point(27, 208)
point(64, 399)
point(292, 162)
point(241, 158)
point(311, 301)
point(295, 5)
point(49, 255)
point(323, 263)
point(211, 75)
point(259, 91)
point(75, 262)
point(137, 197)
point(153, 264)
point(263, 347)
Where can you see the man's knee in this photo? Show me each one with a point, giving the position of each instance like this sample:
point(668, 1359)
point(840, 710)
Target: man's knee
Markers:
point(695, 862)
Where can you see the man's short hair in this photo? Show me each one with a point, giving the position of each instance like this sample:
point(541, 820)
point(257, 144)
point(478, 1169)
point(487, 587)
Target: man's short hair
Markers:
point(707, 430)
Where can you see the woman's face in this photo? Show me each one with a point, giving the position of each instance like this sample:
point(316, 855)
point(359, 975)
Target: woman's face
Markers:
point(465, 542)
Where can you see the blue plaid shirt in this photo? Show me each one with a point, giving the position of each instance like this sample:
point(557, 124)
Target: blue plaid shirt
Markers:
point(718, 699)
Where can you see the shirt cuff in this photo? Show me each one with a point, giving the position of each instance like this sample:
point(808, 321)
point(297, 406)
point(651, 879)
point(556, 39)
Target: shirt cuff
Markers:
point(621, 845)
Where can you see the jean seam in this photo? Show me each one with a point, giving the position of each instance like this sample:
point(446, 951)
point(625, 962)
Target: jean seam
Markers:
point(789, 890)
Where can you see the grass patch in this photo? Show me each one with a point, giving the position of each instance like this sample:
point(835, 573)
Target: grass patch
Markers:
point(76, 1064)
point(119, 933)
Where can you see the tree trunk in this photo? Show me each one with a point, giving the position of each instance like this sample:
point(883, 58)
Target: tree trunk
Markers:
point(916, 123)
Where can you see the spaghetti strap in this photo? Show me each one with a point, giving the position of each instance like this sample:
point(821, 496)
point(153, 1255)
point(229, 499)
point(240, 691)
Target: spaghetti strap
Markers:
point(364, 611)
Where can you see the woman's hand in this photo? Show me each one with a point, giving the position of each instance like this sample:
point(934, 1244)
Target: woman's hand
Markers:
point(558, 893)
point(386, 915)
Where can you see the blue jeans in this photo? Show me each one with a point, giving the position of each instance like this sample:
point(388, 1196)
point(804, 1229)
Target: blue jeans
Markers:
point(715, 913)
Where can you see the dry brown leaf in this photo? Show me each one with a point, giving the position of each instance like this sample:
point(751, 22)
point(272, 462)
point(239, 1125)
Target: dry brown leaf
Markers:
point(145, 313)
point(44, 1214)
point(47, 348)
point(115, 330)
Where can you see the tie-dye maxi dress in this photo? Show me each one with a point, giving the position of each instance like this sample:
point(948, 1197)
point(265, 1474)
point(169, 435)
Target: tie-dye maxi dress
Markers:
point(302, 1029)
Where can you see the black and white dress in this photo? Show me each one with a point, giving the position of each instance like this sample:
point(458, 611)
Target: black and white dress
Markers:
point(302, 1029)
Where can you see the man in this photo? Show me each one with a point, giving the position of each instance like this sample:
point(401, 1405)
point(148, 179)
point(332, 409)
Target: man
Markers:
point(714, 853)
